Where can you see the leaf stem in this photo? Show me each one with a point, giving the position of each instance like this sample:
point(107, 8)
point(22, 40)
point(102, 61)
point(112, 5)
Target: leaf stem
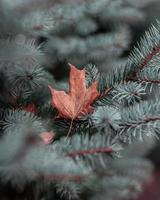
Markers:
point(70, 128)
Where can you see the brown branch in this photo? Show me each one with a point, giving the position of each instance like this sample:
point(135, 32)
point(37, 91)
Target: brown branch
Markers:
point(133, 76)
point(145, 120)
point(104, 93)
point(63, 177)
point(150, 56)
point(90, 151)
point(149, 81)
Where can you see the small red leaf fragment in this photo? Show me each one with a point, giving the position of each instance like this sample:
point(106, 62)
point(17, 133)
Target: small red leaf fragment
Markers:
point(30, 108)
point(47, 137)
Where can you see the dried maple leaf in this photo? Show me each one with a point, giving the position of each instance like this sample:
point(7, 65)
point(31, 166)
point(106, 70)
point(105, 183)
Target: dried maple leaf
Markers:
point(78, 102)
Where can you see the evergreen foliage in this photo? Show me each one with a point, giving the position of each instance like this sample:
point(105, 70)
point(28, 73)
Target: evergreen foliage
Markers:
point(103, 156)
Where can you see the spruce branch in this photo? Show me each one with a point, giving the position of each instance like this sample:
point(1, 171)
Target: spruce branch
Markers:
point(108, 110)
point(148, 48)
point(67, 189)
point(140, 120)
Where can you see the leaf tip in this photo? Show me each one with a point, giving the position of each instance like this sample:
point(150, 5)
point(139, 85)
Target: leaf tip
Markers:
point(50, 88)
point(72, 67)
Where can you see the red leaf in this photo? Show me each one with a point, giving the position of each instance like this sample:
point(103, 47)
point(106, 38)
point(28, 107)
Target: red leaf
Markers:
point(47, 137)
point(78, 102)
